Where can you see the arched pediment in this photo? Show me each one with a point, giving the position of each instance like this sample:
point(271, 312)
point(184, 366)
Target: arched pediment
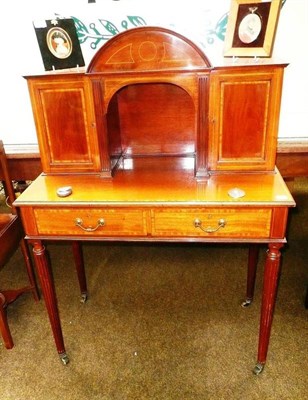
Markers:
point(148, 49)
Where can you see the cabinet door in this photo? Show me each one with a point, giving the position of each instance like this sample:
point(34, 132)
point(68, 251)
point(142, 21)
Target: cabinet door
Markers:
point(243, 117)
point(65, 123)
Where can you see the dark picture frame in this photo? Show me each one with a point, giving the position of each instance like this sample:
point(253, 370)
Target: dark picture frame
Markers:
point(59, 44)
point(251, 28)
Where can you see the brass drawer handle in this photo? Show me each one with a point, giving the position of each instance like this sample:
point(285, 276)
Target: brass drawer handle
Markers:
point(79, 222)
point(198, 224)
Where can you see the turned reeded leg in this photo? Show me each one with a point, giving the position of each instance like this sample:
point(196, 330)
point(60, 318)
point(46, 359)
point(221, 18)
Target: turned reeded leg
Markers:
point(251, 273)
point(79, 264)
point(4, 327)
point(47, 286)
point(270, 284)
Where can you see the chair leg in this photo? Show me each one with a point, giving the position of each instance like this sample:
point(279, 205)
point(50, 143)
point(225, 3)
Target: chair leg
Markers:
point(4, 326)
point(251, 273)
point(9, 296)
point(26, 254)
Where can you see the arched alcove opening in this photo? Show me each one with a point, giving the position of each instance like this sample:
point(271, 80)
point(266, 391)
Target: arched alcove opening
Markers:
point(151, 119)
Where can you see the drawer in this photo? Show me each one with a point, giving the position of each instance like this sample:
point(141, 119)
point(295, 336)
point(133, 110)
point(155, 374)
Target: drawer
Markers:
point(220, 222)
point(90, 222)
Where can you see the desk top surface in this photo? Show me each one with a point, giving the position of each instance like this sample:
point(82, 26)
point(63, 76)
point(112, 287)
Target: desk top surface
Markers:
point(166, 181)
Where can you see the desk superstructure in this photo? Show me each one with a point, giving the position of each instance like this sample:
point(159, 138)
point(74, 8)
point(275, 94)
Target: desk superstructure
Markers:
point(152, 139)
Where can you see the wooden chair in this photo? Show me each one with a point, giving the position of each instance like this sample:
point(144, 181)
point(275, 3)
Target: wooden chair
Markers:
point(11, 236)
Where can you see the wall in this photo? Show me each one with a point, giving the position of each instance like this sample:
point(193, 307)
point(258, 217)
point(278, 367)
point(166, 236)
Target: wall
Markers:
point(204, 22)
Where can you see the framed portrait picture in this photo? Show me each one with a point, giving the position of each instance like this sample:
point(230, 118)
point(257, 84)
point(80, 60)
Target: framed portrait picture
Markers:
point(251, 28)
point(59, 44)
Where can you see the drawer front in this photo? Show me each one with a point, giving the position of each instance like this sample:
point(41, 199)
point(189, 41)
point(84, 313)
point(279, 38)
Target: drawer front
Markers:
point(230, 222)
point(90, 222)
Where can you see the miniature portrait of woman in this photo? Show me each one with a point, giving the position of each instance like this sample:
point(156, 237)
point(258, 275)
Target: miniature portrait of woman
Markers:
point(250, 28)
point(59, 43)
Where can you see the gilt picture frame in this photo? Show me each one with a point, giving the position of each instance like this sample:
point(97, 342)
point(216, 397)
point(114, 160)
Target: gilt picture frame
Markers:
point(251, 28)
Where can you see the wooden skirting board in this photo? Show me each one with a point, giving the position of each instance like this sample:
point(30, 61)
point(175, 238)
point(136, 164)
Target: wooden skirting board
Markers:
point(292, 160)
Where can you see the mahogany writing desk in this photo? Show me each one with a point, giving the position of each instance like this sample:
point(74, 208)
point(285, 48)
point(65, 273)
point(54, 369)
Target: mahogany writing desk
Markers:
point(158, 145)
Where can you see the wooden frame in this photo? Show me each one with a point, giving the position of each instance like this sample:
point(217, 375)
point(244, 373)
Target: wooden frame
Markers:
point(251, 28)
